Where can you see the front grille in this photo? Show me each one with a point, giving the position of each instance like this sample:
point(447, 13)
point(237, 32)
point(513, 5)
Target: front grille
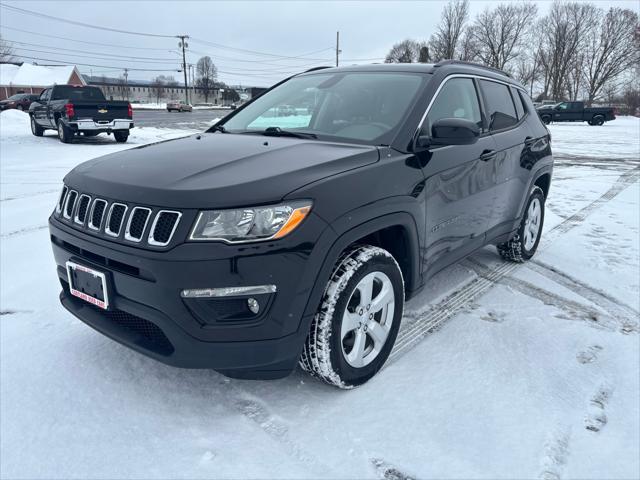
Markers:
point(97, 211)
point(70, 203)
point(111, 218)
point(163, 227)
point(115, 219)
point(83, 207)
point(63, 195)
point(137, 224)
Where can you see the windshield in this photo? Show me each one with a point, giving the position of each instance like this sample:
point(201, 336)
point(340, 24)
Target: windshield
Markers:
point(18, 96)
point(77, 93)
point(360, 106)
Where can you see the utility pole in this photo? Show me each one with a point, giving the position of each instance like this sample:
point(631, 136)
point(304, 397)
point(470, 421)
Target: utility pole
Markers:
point(338, 51)
point(126, 83)
point(183, 44)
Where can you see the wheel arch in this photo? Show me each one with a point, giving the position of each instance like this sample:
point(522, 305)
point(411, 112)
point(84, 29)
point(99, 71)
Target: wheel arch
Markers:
point(395, 232)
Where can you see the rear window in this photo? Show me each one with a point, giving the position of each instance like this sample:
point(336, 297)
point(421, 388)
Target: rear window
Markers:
point(77, 93)
point(500, 109)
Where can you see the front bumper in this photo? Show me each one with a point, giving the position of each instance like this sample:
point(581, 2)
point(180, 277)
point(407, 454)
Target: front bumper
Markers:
point(103, 126)
point(149, 315)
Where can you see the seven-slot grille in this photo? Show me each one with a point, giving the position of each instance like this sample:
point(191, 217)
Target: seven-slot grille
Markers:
point(116, 219)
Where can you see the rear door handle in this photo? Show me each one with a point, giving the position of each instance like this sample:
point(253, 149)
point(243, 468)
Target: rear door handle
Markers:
point(488, 155)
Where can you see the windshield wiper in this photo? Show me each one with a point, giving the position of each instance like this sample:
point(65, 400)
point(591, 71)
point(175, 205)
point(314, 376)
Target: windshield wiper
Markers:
point(278, 132)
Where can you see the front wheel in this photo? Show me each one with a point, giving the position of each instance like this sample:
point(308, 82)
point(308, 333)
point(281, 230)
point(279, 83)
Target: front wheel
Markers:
point(525, 243)
point(352, 334)
point(546, 119)
point(121, 136)
point(36, 129)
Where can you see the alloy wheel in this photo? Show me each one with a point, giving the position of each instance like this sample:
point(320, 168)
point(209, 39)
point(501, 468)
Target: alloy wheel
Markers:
point(367, 319)
point(532, 224)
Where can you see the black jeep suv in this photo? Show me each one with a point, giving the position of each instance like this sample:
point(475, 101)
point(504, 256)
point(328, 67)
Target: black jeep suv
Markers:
point(270, 241)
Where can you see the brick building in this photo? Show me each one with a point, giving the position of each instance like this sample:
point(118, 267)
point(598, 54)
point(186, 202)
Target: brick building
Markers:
point(29, 78)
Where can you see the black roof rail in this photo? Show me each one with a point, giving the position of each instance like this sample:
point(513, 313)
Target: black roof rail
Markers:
point(442, 63)
point(316, 68)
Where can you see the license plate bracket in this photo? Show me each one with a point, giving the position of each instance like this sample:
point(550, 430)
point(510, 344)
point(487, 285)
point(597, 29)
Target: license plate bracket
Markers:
point(88, 284)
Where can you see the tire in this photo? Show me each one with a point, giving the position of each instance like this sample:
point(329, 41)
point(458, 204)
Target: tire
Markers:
point(20, 108)
point(546, 119)
point(36, 129)
point(121, 136)
point(598, 120)
point(525, 243)
point(343, 323)
point(64, 134)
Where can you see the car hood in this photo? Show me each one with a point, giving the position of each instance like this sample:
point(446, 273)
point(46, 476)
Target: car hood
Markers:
point(215, 170)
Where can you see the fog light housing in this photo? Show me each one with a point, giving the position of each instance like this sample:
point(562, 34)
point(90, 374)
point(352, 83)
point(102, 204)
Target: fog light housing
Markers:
point(253, 305)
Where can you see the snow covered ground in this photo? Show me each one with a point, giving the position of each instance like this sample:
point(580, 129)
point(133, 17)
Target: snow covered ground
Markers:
point(500, 371)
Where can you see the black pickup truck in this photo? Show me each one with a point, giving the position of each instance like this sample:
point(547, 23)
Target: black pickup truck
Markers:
point(73, 110)
point(575, 112)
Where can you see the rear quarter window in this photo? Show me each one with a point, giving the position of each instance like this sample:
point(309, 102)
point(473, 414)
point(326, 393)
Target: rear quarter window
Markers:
point(501, 111)
point(517, 99)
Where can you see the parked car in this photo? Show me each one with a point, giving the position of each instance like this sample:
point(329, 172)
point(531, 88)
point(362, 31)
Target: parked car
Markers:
point(575, 112)
point(179, 106)
point(286, 111)
point(75, 110)
point(250, 249)
point(20, 101)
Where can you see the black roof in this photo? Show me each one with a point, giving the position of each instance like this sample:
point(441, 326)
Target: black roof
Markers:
point(450, 66)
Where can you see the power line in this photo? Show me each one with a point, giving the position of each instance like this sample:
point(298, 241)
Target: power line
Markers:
point(99, 66)
point(255, 52)
point(24, 11)
point(102, 44)
point(98, 57)
point(129, 57)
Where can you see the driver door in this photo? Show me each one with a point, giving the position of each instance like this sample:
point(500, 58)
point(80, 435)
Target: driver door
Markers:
point(459, 179)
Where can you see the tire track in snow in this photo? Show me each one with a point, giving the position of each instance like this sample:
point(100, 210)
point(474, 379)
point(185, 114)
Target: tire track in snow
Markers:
point(457, 301)
point(23, 231)
point(29, 195)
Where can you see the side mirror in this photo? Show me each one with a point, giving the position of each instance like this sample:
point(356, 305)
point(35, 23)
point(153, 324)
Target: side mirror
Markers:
point(451, 131)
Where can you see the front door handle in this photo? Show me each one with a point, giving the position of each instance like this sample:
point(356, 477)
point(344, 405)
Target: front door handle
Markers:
point(487, 155)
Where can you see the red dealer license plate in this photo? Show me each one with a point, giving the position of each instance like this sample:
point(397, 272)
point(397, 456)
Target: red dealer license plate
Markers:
point(88, 284)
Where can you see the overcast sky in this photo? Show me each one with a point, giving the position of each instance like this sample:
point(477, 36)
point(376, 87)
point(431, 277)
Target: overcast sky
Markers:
point(251, 38)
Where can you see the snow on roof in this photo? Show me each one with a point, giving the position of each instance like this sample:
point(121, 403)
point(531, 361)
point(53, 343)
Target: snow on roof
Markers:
point(7, 72)
point(35, 75)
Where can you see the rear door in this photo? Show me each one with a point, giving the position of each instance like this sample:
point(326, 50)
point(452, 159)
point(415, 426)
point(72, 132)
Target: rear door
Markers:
point(510, 171)
point(458, 179)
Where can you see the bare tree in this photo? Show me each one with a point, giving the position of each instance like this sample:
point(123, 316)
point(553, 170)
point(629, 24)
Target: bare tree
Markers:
point(158, 85)
point(444, 43)
point(207, 74)
point(563, 34)
point(407, 51)
point(6, 52)
point(501, 34)
point(610, 50)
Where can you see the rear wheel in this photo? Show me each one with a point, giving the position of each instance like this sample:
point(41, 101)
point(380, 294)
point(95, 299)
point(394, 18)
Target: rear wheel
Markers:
point(525, 243)
point(20, 107)
point(356, 326)
point(64, 134)
point(121, 136)
point(36, 129)
point(597, 120)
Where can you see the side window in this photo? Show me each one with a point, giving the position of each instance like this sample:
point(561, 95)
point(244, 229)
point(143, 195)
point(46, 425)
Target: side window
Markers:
point(45, 95)
point(457, 99)
point(563, 106)
point(499, 105)
point(517, 99)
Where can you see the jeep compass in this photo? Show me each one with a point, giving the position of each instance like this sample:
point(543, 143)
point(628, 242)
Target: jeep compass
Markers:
point(271, 240)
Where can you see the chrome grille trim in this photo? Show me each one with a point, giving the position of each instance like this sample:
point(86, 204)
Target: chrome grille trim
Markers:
point(68, 207)
point(92, 226)
point(61, 199)
point(107, 225)
point(151, 240)
point(76, 217)
point(127, 234)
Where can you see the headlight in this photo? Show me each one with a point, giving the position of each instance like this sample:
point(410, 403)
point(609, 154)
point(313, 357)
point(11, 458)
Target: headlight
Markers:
point(250, 224)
